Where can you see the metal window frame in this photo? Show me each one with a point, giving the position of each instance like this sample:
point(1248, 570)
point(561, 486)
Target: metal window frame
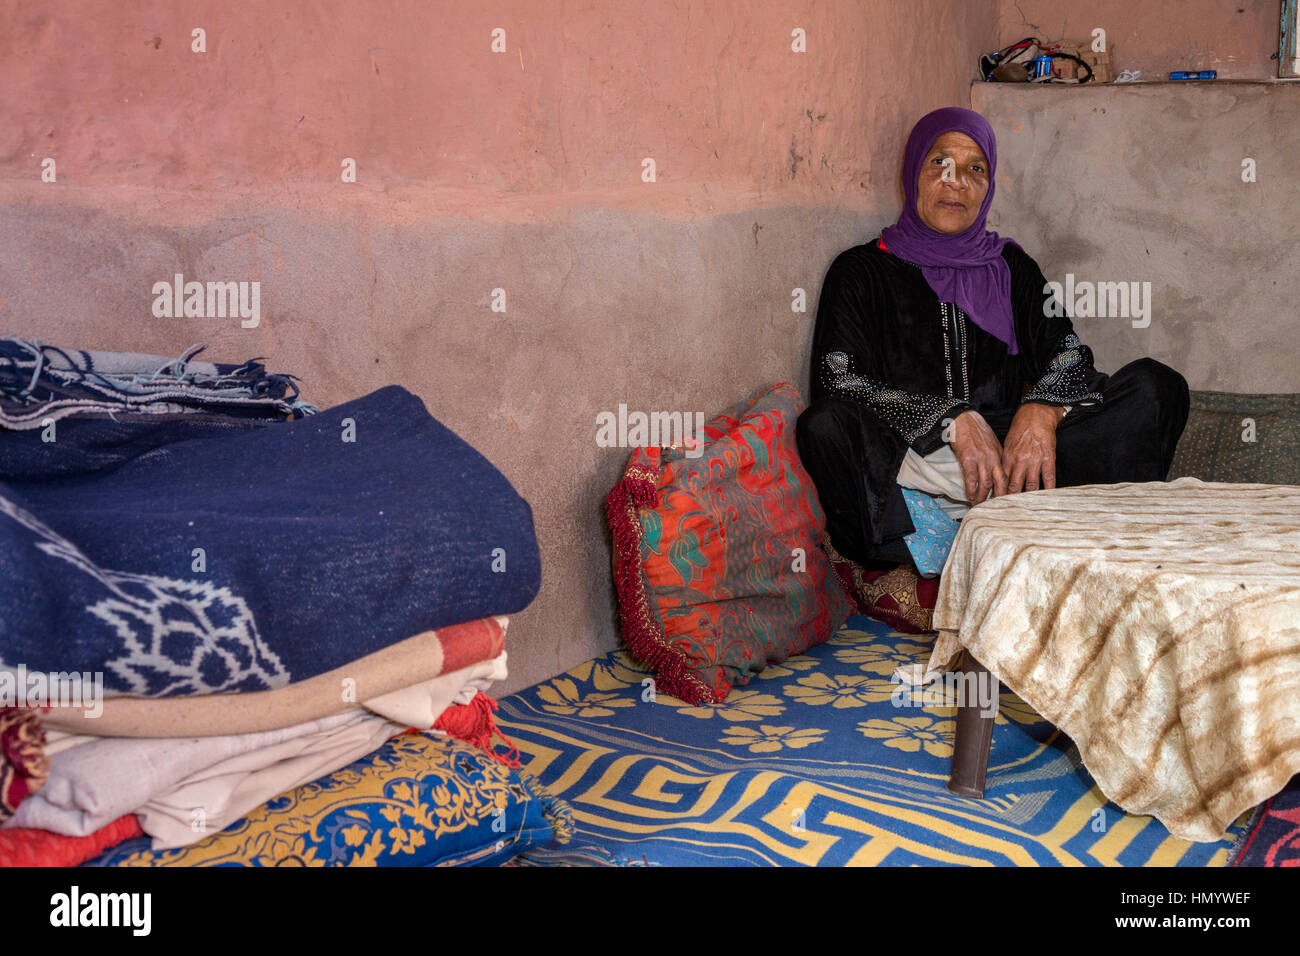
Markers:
point(1288, 53)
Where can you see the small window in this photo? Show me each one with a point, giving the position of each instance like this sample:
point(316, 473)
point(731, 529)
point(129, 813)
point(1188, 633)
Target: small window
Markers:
point(1288, 53)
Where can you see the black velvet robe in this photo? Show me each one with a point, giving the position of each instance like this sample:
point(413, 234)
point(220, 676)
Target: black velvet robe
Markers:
point(891, 365)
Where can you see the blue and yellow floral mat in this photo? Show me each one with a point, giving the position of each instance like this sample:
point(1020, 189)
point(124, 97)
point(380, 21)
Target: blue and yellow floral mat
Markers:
point(820, 761)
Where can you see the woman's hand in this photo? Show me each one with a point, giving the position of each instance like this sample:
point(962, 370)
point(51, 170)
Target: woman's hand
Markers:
point(1029, 453)
point(977, 451)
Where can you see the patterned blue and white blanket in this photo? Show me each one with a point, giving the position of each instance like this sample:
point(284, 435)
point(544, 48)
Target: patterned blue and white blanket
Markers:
point(248, 558)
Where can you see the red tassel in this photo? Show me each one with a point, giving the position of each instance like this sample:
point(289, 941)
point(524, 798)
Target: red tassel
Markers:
point(644, 638)
point(473, 724)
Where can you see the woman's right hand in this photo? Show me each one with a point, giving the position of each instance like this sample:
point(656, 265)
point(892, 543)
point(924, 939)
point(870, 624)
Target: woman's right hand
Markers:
point(979, 453)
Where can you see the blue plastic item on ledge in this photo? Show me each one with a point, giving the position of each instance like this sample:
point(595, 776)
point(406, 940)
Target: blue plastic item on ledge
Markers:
point(1199, 75)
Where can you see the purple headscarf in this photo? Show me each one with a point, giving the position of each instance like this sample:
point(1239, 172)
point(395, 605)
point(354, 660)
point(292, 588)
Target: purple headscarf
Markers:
point(967, 267)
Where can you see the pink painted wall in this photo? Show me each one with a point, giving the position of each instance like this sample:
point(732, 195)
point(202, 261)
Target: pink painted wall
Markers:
point(1234, 37)
point(439, 124)
point(476, 170)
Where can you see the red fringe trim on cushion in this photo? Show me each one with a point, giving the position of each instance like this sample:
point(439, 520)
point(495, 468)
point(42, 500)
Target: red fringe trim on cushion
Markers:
point(642, 632)
point(473, 724)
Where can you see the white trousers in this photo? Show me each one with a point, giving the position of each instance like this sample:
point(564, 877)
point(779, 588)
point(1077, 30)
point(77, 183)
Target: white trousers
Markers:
point(938, 474)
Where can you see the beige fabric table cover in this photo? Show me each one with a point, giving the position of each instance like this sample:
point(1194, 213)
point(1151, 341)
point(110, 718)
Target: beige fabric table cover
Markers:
point(1157, 624)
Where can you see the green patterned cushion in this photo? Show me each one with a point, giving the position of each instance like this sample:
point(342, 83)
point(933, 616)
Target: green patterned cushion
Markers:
point(1215, 445)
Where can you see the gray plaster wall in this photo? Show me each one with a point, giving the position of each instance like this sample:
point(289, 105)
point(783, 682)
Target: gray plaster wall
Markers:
point(1144, 183)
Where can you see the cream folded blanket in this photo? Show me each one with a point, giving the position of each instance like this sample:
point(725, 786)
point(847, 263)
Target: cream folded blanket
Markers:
point(175, 783)
point(209, 801)
point(196, 783)
point(414, 660)
point(1157, 624)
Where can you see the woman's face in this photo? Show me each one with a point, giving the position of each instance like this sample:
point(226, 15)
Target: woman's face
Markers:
point(949, 204)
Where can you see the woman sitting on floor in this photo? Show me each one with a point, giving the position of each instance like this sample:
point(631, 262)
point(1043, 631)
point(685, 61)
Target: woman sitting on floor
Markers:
point(941, 376)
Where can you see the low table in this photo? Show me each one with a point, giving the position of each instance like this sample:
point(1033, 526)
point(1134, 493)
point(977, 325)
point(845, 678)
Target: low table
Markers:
point(1156, 624)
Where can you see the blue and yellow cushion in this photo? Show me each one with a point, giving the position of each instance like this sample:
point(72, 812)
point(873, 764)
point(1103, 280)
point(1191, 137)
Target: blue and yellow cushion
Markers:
point(418, 800)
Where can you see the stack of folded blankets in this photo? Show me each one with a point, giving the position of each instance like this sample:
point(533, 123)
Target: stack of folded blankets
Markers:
point(218, 603)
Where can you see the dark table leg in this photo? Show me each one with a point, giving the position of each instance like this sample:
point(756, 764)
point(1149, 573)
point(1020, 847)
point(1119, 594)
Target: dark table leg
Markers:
point(970, 758)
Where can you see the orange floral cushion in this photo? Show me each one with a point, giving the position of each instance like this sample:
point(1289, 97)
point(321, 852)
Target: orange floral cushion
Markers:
point(716, 557)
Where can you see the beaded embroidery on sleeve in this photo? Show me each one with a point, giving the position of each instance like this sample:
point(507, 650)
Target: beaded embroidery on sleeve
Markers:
point(909, 414)
point(1065, 382)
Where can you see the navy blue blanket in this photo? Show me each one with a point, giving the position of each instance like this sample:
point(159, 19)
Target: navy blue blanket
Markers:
point(252, 558)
